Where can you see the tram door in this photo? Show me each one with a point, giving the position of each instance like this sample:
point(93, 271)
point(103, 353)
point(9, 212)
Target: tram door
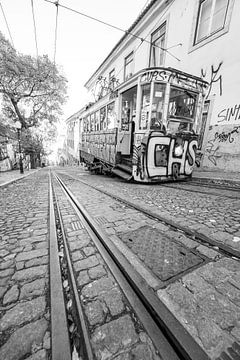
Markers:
point(128, 113)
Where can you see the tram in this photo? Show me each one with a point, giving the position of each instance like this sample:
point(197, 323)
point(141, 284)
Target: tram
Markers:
point(147, 129)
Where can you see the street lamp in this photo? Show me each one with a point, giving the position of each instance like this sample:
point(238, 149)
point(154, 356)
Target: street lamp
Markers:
point(18, 126)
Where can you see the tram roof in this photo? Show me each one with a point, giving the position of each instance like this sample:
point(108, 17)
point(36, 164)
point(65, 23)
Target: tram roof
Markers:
point(162, 69)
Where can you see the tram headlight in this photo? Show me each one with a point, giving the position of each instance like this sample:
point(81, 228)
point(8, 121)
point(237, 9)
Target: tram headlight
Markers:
point(178, 151)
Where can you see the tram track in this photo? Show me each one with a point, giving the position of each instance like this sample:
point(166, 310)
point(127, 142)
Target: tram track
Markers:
point(169, 337)
point(205, 188)
point(203, 239)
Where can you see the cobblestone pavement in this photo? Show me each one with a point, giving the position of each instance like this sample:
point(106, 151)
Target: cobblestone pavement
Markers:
point(205, 300)
point(115, 331)
point(215, 216)
point(24, 308)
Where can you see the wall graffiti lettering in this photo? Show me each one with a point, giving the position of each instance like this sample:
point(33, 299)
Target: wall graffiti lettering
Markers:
point(212, 152)
point(104, 86)
point(231, 113)
point(227, 136)
point(213, 145)
point(215, 77)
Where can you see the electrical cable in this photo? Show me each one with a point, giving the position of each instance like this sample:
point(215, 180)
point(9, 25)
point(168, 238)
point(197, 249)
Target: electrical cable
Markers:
point(35, 29)
point(9, 32)
point(55, 37)
point(110, 25)
point(150, 31)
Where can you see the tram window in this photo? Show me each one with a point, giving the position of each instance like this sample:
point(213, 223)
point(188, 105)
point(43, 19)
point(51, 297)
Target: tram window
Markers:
point(178, 126)
point(128, 107)
point(145, 106)
point(97, 120)
point(84, 124)
point(182, 103)
point(88, 123)
point(110, 116)
point(92, 122)
point(102, 118)
point(157, 107)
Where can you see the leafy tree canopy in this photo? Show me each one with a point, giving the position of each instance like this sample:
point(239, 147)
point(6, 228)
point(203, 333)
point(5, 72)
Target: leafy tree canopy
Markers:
point(32, 89)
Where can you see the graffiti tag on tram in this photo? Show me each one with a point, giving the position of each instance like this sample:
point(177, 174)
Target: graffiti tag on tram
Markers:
point(173, 77)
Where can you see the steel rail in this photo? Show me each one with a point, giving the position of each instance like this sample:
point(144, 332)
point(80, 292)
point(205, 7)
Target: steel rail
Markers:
point(59, 329)
point(163, 328)
point(194, 234)
point(87, 350)
point(198, 184)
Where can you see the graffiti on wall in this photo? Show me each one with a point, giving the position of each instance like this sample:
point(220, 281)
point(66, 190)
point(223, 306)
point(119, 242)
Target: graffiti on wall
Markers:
point(213, 146)
point(215, 77)
point(103, 87)
point(227, 136)
point(231, 113)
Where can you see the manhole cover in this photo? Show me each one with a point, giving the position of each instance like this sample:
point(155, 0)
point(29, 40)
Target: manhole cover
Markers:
point(162, 255)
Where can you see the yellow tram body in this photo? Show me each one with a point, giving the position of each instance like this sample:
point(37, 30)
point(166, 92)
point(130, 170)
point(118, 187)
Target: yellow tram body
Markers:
point(147, 129)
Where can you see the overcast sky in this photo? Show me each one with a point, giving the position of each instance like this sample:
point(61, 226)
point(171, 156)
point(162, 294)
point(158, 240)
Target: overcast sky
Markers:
point(82, 44)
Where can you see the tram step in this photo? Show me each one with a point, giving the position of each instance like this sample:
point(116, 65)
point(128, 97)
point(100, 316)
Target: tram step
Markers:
point(126, 161)
point(125, 168)
point(122, 174)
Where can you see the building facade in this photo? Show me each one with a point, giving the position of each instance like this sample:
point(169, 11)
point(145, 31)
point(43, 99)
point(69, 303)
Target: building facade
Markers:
point(199, 37)
point(71, 146)
point(8, 148)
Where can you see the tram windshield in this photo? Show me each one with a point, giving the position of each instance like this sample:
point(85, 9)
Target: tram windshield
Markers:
point(181, 110)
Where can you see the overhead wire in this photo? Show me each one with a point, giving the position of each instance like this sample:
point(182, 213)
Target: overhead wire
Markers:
point(110, 25)
point(56, 28)
point(150, 31)
point(5, 18)
point(35, 28)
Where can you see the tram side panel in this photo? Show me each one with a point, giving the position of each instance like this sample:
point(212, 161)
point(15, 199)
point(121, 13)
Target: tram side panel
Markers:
point(99, 147)
point(158, 157)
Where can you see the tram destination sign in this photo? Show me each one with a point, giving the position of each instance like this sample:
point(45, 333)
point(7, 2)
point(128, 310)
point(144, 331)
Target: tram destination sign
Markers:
point(175, 78)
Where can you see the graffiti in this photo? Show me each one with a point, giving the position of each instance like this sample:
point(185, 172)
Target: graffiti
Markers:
point(164, 156)
point(224, 137)
point(173, 77)
point(212, 148)
point(231, 113)
point(104, 87)
point(214, 78)
point(211, 151)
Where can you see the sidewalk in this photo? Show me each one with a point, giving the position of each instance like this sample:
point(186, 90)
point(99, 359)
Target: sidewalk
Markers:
point(216, 175)
point(7, 177)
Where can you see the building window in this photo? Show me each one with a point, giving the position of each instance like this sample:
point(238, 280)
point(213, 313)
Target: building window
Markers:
point(157, 46)
point(111, 75)
point(212, 16)
point(128, 66)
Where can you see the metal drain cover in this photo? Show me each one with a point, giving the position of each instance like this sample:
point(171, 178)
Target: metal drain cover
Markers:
point(165, 257)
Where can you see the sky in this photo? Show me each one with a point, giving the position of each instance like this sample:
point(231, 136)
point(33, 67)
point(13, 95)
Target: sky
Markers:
point(82, 44)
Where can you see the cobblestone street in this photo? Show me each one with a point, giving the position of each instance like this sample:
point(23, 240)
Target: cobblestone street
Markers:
point(215, 215)
point(24, 288)
point(204, 298)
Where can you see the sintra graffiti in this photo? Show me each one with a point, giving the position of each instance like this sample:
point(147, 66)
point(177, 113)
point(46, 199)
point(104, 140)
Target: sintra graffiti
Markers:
point(231, 113)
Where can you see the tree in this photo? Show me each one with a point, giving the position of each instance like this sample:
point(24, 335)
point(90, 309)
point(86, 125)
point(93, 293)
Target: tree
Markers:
point(32, 89)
